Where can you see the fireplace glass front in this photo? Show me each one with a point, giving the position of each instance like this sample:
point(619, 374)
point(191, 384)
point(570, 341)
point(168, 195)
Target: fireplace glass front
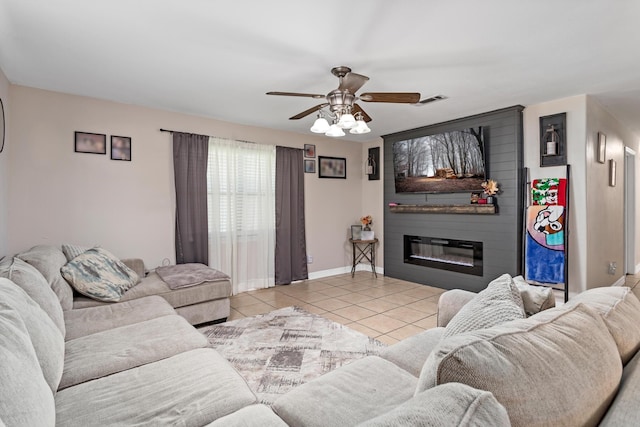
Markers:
point(462, 256)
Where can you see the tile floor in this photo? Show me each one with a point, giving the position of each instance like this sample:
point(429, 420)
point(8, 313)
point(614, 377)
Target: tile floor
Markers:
point(383, 308)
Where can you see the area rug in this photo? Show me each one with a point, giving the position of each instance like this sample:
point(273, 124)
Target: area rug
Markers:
point(283, 349)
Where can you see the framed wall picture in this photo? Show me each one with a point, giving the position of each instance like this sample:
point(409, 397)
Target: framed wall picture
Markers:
point(332, 167)
point(121, 148)
point(309, 166)
point(602, 147)
point(87, 142)
point(310, 150)
point(356, 232)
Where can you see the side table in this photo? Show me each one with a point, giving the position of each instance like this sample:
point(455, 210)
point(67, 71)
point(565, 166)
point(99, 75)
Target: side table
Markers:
point(364, 250)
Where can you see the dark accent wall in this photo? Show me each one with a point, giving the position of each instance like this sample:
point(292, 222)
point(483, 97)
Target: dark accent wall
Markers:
point(501, 234)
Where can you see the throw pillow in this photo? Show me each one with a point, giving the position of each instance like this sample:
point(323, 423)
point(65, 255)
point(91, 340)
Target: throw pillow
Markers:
point(72, 251)
point(534, 298)
point(499, 302)
point(99, 275)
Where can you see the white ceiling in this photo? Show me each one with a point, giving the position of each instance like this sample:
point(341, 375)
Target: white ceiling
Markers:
point(218, 58)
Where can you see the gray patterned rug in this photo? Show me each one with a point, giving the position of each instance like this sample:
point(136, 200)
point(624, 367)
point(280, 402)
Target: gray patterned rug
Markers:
point(280, 350)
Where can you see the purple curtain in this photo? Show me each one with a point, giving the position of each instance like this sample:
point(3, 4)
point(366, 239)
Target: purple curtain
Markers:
point(291, 246)
point(190, 157)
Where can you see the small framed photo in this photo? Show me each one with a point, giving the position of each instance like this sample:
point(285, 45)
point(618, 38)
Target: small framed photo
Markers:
point(356, 232)
point(309, 166)
point(121, 148)
point(87, 142)
point(310, 150)
point(332, 167)
point(475, 197)
point(602, 147)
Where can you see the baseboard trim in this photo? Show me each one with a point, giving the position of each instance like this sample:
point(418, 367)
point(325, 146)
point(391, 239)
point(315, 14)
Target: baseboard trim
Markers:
point(342, 270)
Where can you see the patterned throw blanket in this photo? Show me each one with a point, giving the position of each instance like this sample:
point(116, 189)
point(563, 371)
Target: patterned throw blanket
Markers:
point(183, 275)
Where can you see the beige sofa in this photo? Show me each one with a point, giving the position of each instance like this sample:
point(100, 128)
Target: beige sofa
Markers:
point(574, 365)
point(131, 363)
point(202, 303)
point(139, 363)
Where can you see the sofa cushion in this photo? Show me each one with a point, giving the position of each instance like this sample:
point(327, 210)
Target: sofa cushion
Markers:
point(558, 367)
point(72, 251)
point(35, 285)
point(620, 310)
point(534, 298)
point(87, 321)
point(347, 396)
point(624, 410)
point(411, 353)
point(25, 397)
point(250, 416)
point(450, 404)
point(46, 338)
point(499, 302)
point(98, 274)
point(189, 389)
point(48, 260)
point(116, 350)
point(154, 285)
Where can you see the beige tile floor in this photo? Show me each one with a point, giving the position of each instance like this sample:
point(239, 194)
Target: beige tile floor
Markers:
point(383, 308)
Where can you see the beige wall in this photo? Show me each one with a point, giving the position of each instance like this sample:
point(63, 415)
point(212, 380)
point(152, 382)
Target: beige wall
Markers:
point(596, 209)
point(4, 171)
point(575, 107)
point(373, 199)
point(60, 196)
point(605, 204)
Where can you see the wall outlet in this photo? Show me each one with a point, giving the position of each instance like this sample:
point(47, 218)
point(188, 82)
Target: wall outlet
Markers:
point(309, 259)
point(612, 268)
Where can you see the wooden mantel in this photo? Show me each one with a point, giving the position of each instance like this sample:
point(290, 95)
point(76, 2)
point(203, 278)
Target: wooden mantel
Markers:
point(445, 209)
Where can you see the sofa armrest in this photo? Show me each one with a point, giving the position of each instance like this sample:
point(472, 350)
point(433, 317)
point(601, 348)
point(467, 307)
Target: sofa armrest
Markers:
point(450, 303)
point(136, 264)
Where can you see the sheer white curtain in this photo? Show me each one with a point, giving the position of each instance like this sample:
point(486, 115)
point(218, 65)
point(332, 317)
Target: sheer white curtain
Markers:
point(241, 204)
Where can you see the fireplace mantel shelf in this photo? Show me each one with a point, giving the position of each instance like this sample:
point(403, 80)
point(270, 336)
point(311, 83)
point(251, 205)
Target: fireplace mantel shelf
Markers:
point(445, 209)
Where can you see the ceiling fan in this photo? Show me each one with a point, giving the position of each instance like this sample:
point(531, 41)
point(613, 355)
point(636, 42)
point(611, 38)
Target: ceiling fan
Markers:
point(343, 110)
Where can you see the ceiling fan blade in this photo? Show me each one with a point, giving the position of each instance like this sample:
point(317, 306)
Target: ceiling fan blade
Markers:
point(306, 95)
point(357, 109)
point(351, 82)
point(309, 111)
point(396, 97)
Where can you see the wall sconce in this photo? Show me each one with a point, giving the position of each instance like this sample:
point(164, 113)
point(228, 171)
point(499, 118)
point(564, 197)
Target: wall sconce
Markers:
point(553, 148)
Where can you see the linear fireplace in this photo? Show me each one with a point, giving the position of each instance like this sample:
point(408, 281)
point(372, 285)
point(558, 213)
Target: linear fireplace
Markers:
point(463, 256)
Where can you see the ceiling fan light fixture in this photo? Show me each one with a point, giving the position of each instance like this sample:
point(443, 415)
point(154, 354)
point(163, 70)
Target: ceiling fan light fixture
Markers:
point(347, 121)
point(335, 131)
point(360, 127)
point(321, 125)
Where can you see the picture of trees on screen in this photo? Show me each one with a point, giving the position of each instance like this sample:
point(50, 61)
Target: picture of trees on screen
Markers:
point(448, 162)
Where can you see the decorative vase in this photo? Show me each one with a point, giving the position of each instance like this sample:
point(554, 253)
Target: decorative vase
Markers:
point(490, 200)
point(366, 228)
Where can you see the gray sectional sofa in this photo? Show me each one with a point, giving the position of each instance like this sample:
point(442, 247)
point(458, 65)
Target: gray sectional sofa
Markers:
point(138, 362)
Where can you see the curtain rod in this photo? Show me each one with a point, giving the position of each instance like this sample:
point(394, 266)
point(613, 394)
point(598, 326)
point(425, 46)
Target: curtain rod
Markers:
point(173, 131)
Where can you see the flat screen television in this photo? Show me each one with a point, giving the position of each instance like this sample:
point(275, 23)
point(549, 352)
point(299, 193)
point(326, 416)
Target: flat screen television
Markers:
point(448, 162)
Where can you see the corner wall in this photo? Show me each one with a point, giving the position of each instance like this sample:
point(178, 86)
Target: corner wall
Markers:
point(605, 204)
point(58, 196)
point(4, 170)
point(575, 107)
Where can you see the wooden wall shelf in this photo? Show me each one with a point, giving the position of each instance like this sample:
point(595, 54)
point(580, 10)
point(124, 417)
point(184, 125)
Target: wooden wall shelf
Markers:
point(445, 209)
